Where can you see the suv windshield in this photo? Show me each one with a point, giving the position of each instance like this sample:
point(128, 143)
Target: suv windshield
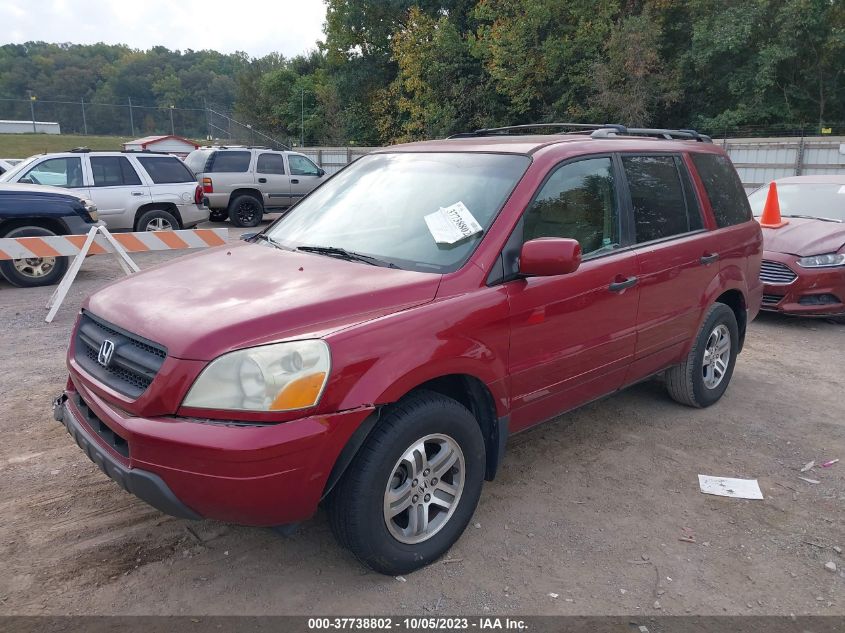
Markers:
point(819, 200)
point(378, 207)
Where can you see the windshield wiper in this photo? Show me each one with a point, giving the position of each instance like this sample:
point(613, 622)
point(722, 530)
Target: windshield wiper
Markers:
point(270, 240)
point(350, 256)
point(809, 217)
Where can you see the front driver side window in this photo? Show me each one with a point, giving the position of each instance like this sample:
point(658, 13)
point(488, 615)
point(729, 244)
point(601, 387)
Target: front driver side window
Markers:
point(301, 166)
point(578, 201)
point(58, 172)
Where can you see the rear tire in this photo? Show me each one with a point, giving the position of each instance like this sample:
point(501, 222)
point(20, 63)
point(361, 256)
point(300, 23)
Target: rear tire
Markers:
point(246, 211)
point(425, 438)
point(157, 220)
point(704, 375)
point(36, 271)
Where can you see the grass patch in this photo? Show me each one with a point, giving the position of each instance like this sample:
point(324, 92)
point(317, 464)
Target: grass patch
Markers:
point(24, 145)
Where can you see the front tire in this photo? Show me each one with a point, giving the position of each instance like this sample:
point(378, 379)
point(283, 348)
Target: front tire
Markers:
point(413, 487)
point(246, 211)
point(704, 375)
point(36, 271)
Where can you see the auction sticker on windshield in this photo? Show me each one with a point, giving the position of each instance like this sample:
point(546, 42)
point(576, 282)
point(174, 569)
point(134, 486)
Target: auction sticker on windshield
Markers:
point(452, 224)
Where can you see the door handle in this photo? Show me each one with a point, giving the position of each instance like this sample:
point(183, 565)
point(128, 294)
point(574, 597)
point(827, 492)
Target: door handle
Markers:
point(137, 193)
point(709, 258)
point(294, 181)
point(262, 180)
point(619, 286)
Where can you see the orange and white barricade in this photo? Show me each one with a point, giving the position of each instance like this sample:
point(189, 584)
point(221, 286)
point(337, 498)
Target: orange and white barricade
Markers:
point(99, 241)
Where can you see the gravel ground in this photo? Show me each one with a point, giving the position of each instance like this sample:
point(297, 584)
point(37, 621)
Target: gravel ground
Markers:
point(584, 518)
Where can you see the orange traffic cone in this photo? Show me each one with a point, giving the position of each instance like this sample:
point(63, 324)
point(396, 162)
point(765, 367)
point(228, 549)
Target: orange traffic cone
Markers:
point(771, 211)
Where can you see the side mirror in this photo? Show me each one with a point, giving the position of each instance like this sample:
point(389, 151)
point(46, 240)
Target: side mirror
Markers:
point(25, 181)
point(549, 256)
point(321, 172)
point(246, 237)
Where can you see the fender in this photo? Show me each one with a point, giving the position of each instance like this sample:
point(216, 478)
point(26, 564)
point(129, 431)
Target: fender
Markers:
point(729, 278)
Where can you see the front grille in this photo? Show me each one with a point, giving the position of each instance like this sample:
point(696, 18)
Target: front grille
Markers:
point(772, 300)
point(134, 363)
point(776, 273)
point(111, 438)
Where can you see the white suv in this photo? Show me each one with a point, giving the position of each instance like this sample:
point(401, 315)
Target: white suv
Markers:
point(133, 191)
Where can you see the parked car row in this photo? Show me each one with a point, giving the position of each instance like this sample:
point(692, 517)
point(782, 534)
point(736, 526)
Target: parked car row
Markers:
point(133, 191)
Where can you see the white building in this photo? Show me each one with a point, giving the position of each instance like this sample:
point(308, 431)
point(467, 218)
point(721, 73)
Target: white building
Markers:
point(25, 127)
point(176, 145)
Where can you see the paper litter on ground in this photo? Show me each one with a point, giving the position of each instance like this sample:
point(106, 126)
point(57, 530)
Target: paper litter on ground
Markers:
point(729, 487)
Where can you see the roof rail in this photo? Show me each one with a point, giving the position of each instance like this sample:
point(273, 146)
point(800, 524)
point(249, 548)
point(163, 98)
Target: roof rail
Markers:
point(614, 127)
point(685, 134)
point(80, 150)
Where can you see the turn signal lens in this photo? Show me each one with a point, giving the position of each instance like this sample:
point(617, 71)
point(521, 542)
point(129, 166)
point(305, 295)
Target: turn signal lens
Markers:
point(207, 185)
point(300, 393)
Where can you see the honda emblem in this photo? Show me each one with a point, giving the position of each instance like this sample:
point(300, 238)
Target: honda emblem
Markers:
point(106, 353)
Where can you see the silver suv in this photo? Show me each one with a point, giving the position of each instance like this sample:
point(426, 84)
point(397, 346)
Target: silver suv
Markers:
point(243, 183)
point(134, 191)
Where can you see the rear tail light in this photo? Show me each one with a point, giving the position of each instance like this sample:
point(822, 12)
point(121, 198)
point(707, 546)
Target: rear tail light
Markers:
point(198, 195)
point(207, 185)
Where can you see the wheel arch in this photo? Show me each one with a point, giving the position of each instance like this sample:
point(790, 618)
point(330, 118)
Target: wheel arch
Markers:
point(466, 389)
point(169, 207)
point(51, 224)
point(246, 191)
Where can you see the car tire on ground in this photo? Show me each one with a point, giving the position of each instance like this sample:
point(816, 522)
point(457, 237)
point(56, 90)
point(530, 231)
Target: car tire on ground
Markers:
point(246, 211)
point(157, 220)
point(704, 375)
point(216, 215)
point(36, 271)
point(413, 487)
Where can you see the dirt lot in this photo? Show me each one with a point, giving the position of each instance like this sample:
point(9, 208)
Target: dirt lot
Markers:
point(589, 507)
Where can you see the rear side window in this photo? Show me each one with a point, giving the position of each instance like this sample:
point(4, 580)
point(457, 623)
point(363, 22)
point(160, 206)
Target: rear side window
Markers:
point(658, 198)
point(230, 162)
point(723, 187)
point(270, 164)
point(166, 169)
point(113, 171)
point(578, 201)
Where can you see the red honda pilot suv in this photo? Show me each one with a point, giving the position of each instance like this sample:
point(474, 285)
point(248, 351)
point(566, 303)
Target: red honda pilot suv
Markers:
point(374, 348)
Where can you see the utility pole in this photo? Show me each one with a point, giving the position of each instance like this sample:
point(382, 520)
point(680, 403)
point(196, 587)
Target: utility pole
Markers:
point(32, 110)
point(207, 119)
point(84, 122)
point(172, 129)
point(131, 118)
point(302, 119)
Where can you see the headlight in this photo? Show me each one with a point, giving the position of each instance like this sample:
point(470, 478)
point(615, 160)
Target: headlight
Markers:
point(822, 261)
point(91, 208)
point(280, 377)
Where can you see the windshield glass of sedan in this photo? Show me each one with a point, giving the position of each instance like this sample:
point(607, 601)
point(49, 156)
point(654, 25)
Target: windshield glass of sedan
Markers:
point(377, 206)
point(817, 200)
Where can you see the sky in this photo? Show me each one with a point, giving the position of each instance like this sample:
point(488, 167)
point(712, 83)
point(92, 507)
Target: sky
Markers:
point(257, 27)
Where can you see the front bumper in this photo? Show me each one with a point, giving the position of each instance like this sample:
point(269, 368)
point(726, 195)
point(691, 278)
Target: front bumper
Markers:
point(818, 292)
point(249, 474)
point(145, 485)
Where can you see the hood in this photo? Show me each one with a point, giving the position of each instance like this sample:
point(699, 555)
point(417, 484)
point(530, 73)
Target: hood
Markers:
point(34, 191)
point(803, 237)
point(215, 301)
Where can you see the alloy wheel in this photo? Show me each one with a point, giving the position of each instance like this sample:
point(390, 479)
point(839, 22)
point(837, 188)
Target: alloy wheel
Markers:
point(717, 356)
point(424, 488)
point(35, 267)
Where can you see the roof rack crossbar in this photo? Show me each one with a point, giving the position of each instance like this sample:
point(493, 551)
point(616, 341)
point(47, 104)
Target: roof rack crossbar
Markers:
point(619, 129)
point(683, 134)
